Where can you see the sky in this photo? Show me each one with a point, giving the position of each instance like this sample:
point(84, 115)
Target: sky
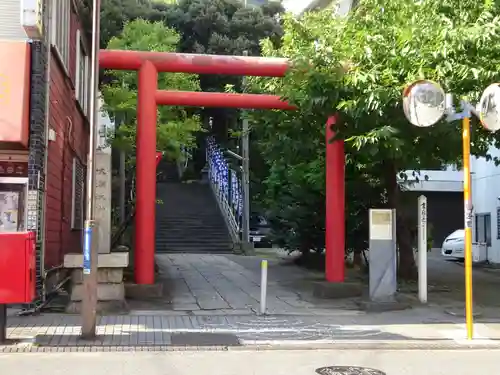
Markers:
point(296, 6)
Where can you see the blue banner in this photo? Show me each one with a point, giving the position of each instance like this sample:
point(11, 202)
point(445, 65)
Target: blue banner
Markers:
point(87, 245)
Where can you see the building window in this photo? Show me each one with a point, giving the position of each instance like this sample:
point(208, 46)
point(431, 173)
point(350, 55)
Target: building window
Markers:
point(60, 33)
point(82, 74)
point(78, 190)
point(498, 223)
point(483, 228)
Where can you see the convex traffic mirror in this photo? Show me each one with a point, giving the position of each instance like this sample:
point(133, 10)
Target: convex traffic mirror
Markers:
point(489, 107)
point(424, 103)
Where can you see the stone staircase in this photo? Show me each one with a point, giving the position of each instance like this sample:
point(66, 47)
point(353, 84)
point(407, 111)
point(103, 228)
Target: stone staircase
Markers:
point(168, 171)
point(189, 220)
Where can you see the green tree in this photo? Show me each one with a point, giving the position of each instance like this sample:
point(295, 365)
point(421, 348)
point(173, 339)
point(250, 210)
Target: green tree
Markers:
point(358, 67)
point(221, 27)
point(115, 14)
point(176, 126)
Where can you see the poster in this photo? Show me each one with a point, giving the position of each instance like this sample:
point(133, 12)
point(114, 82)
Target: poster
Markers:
point(9, 211)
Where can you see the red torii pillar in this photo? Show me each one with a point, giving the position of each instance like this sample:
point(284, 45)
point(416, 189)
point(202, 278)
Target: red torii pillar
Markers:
point(148, 64)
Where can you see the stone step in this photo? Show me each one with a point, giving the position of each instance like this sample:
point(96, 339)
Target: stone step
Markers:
point(185, 228)
point(171, 213)
point(209, 225)
point(195, 250)
point(194, 242)
point(168, 172)
point(189, 227)
point(193, 237)
point(179, 245)
point(198, 234)
point(189, 221)
point(183, 218)
point(105, 292)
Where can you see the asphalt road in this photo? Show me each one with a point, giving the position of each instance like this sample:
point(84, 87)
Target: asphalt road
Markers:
point(297, 362)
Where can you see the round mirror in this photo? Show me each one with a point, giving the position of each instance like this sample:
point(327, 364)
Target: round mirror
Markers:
point(489, 107)
point(424, 103)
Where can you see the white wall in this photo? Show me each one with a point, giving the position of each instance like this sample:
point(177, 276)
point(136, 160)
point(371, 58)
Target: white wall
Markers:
point(449, 179)
point(485, 193)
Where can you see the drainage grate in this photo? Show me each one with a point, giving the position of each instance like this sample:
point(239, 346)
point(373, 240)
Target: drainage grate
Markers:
point(348, 370)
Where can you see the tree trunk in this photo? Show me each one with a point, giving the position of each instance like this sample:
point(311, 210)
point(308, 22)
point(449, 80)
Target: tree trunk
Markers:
point(406, 268)
point(357, 259)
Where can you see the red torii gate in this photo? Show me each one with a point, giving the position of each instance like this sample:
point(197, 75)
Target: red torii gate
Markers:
point(148, 64)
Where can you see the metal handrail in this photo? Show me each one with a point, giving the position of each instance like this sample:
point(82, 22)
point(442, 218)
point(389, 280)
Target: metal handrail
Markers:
point(226, 186)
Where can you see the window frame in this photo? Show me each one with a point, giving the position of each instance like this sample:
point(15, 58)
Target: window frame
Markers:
point(486, 227)
point(498, 223)
point(82, 75)
point(61, 30)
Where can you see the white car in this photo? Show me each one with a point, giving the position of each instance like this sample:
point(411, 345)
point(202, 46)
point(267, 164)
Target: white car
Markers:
point(453, 245)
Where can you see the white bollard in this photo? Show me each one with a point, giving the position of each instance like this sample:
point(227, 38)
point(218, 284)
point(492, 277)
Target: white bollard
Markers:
point(422, 249)
point(263, 286)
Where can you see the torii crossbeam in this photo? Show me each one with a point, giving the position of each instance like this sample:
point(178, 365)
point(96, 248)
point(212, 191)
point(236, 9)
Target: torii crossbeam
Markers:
point(149, 64)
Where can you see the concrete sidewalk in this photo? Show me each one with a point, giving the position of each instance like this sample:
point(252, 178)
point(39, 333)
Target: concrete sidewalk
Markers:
point(422, 328)
point(276, 362)
point(212, 301)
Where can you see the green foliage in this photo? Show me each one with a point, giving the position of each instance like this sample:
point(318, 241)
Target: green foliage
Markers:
point(176, 126)
point(358, 66)
point(205, 26)
point(222, 27)
point(115, 14)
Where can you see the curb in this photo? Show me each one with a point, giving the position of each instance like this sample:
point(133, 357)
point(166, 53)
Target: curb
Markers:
point(265, 346)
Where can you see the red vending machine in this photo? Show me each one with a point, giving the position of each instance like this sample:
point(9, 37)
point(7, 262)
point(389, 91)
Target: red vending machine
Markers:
point(17, 247)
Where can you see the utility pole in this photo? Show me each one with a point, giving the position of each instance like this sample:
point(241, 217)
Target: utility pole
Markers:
point(89, 301)
point(245, 151)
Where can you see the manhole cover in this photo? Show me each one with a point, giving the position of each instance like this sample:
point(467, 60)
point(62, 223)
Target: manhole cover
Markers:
point(348, 370)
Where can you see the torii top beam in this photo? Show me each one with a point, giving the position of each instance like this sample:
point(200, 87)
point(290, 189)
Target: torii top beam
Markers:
point(194, 63)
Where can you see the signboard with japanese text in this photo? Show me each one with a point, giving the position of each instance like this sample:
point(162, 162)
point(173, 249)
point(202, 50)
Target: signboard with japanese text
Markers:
point(13, 169)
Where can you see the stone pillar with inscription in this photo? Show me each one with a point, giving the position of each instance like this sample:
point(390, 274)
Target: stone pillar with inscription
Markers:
point(102, 208)
point(110, 287)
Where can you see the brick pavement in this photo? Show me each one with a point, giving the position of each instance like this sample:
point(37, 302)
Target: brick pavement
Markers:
point(125, 332)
